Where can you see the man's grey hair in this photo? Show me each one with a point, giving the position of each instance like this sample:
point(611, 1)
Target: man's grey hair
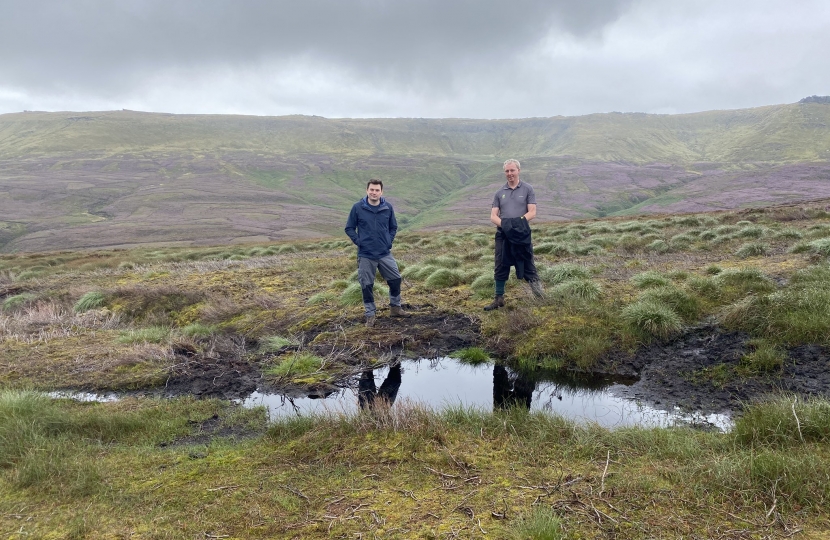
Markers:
point(509, 161)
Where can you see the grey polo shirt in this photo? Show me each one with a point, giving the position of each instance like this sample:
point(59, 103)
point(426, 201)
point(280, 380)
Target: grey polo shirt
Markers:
point(512, 203)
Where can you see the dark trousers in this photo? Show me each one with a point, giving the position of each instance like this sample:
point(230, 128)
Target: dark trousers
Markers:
point(504, 262)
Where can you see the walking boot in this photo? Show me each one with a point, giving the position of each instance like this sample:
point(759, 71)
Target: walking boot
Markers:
point(497, 303)
point(370, 321)
point(397, 311)
point(536, 287)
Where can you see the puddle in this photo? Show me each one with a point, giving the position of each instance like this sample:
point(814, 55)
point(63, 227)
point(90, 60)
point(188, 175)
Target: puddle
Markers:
point(446, 382)
point(83, 396)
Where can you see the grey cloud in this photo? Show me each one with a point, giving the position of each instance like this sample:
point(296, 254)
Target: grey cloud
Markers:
point(109, 46)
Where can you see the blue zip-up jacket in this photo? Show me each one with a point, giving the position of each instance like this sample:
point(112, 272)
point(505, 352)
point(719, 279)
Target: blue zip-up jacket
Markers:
point(376, 228)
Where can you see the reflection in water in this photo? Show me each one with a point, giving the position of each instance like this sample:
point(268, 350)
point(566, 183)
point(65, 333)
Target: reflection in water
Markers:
point(444, 382)
point(511, 388)
point(367, 394)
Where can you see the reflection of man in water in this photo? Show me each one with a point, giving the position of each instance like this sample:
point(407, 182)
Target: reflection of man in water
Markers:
point(511, 388)
point(367, 392)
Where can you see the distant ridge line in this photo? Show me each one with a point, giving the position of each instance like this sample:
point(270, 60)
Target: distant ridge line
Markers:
point(815, 99)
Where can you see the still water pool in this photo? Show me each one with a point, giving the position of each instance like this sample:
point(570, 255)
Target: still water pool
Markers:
point(446, 382)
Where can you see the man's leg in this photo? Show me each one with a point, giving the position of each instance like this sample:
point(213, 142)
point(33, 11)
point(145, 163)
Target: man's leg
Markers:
point(532, 277)
point(500, 273)
point(389, 271)
point(366, 269)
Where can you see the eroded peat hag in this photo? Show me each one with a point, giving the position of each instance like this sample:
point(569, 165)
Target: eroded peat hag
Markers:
point(706, 370)
point(344, 347)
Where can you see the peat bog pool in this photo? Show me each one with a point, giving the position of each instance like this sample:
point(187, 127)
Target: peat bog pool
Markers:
point(443, 382)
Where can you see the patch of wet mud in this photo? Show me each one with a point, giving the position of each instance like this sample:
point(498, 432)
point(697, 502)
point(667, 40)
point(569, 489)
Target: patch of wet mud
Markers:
point(205, 431)
point(225, 378)
point(700, 371)
point(426, 334)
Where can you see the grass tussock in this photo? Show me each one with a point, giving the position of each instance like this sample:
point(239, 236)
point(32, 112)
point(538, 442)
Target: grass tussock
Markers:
point(472, 355)
point(90, 300)
point(652, 319)
point(296, 366)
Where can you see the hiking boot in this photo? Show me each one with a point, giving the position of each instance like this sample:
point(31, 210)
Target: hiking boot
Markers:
point(498, 302)
point(370, 321)
point(397, 311)
point(536, 287)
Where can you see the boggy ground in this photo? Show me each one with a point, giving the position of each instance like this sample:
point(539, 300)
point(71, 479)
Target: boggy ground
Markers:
point(747, 294)
point(633, 297)
point(423, 335)
point(699, 371)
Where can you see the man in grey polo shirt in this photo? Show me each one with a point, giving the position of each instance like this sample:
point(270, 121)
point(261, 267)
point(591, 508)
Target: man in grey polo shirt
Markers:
point(513, 207)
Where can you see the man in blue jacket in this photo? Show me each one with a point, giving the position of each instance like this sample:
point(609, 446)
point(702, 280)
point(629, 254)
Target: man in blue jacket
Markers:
point(372, 227)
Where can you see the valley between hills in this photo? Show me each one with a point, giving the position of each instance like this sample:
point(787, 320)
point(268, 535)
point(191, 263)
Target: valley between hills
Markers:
point(125, 179)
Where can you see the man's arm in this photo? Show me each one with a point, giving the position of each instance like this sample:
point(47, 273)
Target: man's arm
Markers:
point(531, 212)
point(351, 224)
point(393, 224)
point(494, 216)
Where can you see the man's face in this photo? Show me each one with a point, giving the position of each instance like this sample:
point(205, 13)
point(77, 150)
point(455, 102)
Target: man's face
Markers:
point(374, 191)
point(511, 172)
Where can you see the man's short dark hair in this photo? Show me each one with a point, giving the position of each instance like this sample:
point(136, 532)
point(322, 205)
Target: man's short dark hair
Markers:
point(376, 182)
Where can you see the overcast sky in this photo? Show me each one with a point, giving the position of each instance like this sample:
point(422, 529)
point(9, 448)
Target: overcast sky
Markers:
point(411, 58)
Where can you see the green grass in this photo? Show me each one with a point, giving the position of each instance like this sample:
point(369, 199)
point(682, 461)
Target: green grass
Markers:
point(559, 273)
point(444, 278)
point(198, 330)
point(276, 343)
point(652, 319)
point(581, 289)
point(353, 294)
point(152, 334)
point(472, 355)
point(799, 313)
point(296, 366)
point(681, 302)
point(752, 249)
point(539, 524)
point(526, 466)
point(650, 278)
point(17, 301)
point(90, 300)
point(764, 357)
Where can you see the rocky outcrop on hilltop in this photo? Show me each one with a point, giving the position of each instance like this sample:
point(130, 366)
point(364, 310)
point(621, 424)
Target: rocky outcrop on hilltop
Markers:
point(816, 99)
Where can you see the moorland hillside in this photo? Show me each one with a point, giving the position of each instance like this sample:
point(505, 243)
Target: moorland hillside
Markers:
point(124, 178)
